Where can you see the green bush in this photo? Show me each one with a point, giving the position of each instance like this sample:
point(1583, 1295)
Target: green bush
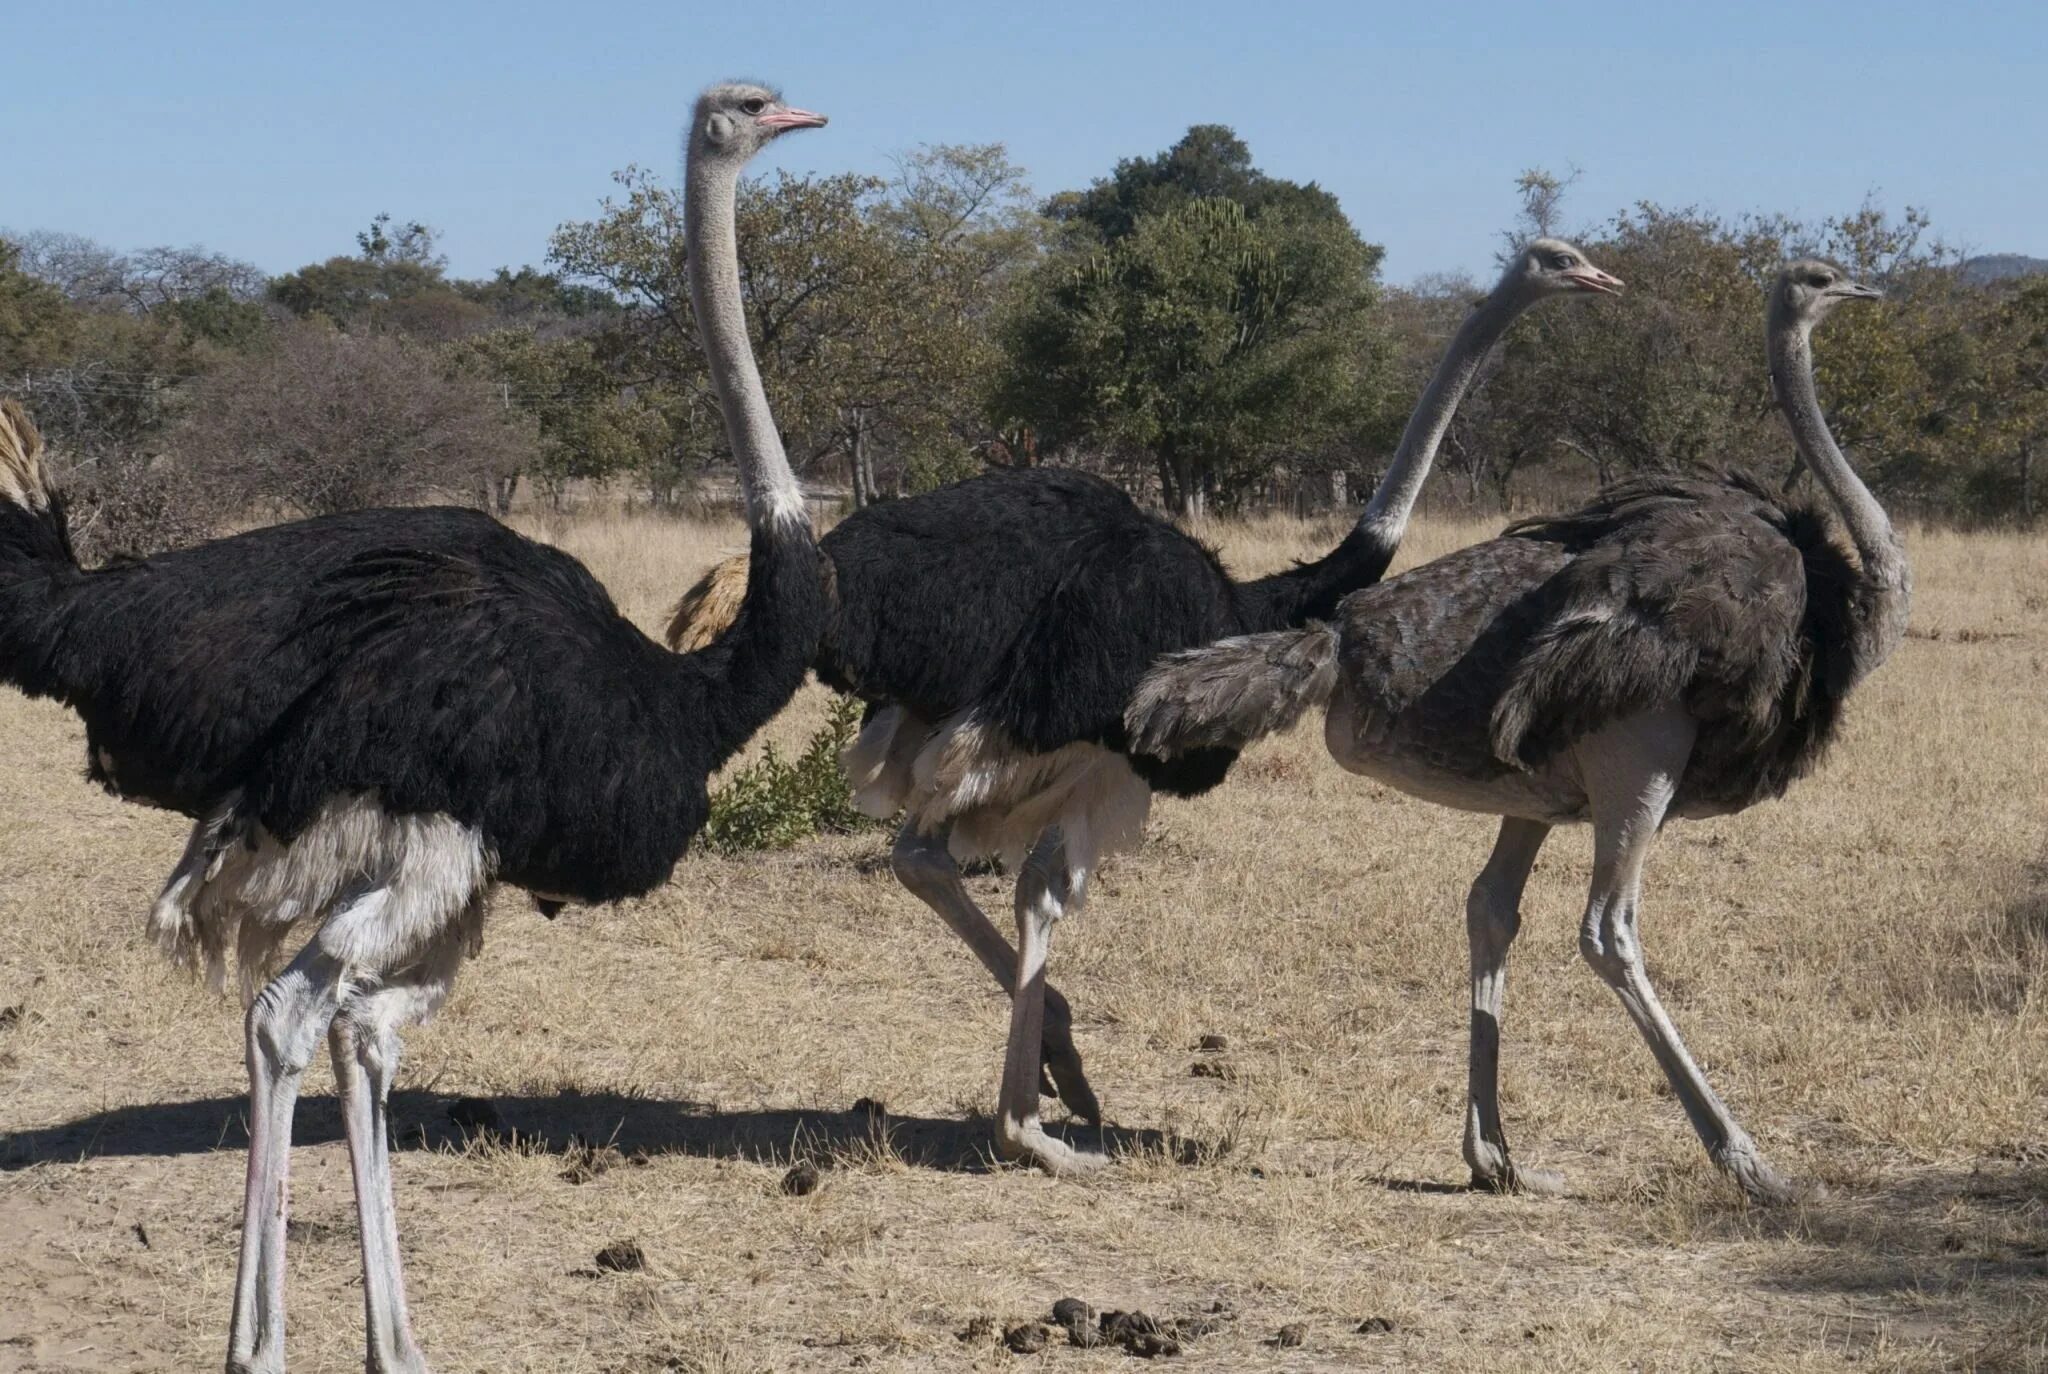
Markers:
point(772, 804)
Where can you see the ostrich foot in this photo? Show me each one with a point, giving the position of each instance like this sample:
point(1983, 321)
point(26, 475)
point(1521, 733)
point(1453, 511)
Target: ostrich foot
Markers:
point(1764, 1185)
point(1513, 1178)
point(1026, 1142)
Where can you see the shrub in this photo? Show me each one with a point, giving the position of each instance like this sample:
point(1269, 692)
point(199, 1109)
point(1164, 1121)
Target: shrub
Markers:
point(772, 804)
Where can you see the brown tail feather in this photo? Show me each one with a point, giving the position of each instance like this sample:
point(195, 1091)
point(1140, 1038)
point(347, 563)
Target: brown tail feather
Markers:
point(23, 482)
point(709, 608)
point(1232, 692)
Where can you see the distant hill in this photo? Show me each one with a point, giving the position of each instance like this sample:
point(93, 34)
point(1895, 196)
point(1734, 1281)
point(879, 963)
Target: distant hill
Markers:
point(1992, 267)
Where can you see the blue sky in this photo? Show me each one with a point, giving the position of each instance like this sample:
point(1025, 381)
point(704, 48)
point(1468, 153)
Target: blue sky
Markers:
point(274, 131)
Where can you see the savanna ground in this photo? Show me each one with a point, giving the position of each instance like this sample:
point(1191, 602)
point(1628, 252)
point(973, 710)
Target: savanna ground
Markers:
point(1860, 967)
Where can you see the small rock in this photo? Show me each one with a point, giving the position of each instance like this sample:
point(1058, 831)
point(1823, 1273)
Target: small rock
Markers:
point(1376, 1326)
point(978, 1331)
point(1291, 1335)
point(12, 1015)
point(622, 1257)
point(802, 1180)
point(1213, 1044)
point(142, 1234)
point(1027, 1338)
point(1212, 1068)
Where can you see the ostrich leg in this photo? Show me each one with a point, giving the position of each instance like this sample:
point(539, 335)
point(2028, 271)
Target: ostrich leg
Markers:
point(285, 1023)
point(924, 865)
point(1493, 915)
point(1632, 769)
point(366, 1050)
point(1041, 898)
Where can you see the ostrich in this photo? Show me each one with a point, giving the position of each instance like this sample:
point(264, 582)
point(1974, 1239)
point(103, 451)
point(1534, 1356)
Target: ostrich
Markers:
point(1681, 647)
point(374, 718)
point(997, 628)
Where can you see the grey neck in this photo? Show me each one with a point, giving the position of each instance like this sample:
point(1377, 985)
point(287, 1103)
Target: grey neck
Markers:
point(771, 490)
point(1887, 579)
point(1386, 515)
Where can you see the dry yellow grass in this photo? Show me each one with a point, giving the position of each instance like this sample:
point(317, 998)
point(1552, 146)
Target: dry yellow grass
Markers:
point(1860, 967)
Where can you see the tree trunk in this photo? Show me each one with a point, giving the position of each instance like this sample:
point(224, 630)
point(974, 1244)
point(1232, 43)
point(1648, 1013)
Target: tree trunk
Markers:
point(1187, 500)
point(858, 461)
point(2027, 482)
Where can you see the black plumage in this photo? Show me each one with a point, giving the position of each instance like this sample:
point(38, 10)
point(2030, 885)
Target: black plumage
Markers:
point(1037, 599)
point(431, 658)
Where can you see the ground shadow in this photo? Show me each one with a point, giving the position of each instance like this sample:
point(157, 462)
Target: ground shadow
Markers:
point(567, 1122)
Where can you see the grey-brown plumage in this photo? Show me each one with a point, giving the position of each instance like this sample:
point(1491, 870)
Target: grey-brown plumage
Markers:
point(1681, 646)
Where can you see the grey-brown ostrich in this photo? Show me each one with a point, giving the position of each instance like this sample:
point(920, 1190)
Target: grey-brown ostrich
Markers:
point(1681, 647)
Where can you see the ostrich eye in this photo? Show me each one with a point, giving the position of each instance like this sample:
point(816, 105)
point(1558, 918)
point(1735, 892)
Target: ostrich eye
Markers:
point(1564, 260)
point(753, 104)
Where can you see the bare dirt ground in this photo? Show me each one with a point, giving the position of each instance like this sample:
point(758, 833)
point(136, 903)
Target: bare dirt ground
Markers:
point(1860, 967)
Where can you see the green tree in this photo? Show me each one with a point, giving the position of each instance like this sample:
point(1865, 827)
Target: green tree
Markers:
point(38, 328)
point(1210, 162)
point(588, 427)
point(1212, 340)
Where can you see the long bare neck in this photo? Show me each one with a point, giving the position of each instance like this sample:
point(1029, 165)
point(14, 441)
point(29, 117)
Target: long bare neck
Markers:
point(1887, 579)
point(771, 490)
point(1312, 590)
point(1394, 499)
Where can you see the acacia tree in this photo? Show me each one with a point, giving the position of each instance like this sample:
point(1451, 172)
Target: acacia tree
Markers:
point(867, 300)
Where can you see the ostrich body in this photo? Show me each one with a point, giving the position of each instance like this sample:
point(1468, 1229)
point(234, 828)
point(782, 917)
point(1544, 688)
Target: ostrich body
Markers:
point(374, 718)
point(997, 628)
point(1681, 647)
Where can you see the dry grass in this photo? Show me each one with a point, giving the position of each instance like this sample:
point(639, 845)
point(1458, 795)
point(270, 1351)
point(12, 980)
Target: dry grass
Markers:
point(1860, 967)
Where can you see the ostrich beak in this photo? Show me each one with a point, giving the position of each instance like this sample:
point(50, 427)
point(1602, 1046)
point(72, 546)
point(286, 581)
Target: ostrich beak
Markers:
point(1856, 291)
point(1590, 278)
point(789, 117)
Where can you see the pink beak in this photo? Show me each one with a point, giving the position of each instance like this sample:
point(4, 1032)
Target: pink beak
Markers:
point(1592, 278)
point(788, 118)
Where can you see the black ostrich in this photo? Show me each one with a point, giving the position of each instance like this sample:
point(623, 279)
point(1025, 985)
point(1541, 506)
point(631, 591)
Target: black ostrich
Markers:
point(997, 629)
point(375, 717)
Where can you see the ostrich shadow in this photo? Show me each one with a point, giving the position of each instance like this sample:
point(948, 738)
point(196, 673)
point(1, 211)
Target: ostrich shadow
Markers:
point(571, 1123)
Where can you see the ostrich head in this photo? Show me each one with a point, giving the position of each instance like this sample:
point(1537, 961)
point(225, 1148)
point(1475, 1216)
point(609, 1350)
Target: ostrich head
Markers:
point(738, 119)
point(1551, 267)
point(1806, 290)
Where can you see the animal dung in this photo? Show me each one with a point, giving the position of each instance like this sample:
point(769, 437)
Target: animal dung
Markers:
point(1376, 1326)
point(1213, 1044)
point(802, 1180)
point(622, 1257)
point(1027, 1338)
point(1290, 1336)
